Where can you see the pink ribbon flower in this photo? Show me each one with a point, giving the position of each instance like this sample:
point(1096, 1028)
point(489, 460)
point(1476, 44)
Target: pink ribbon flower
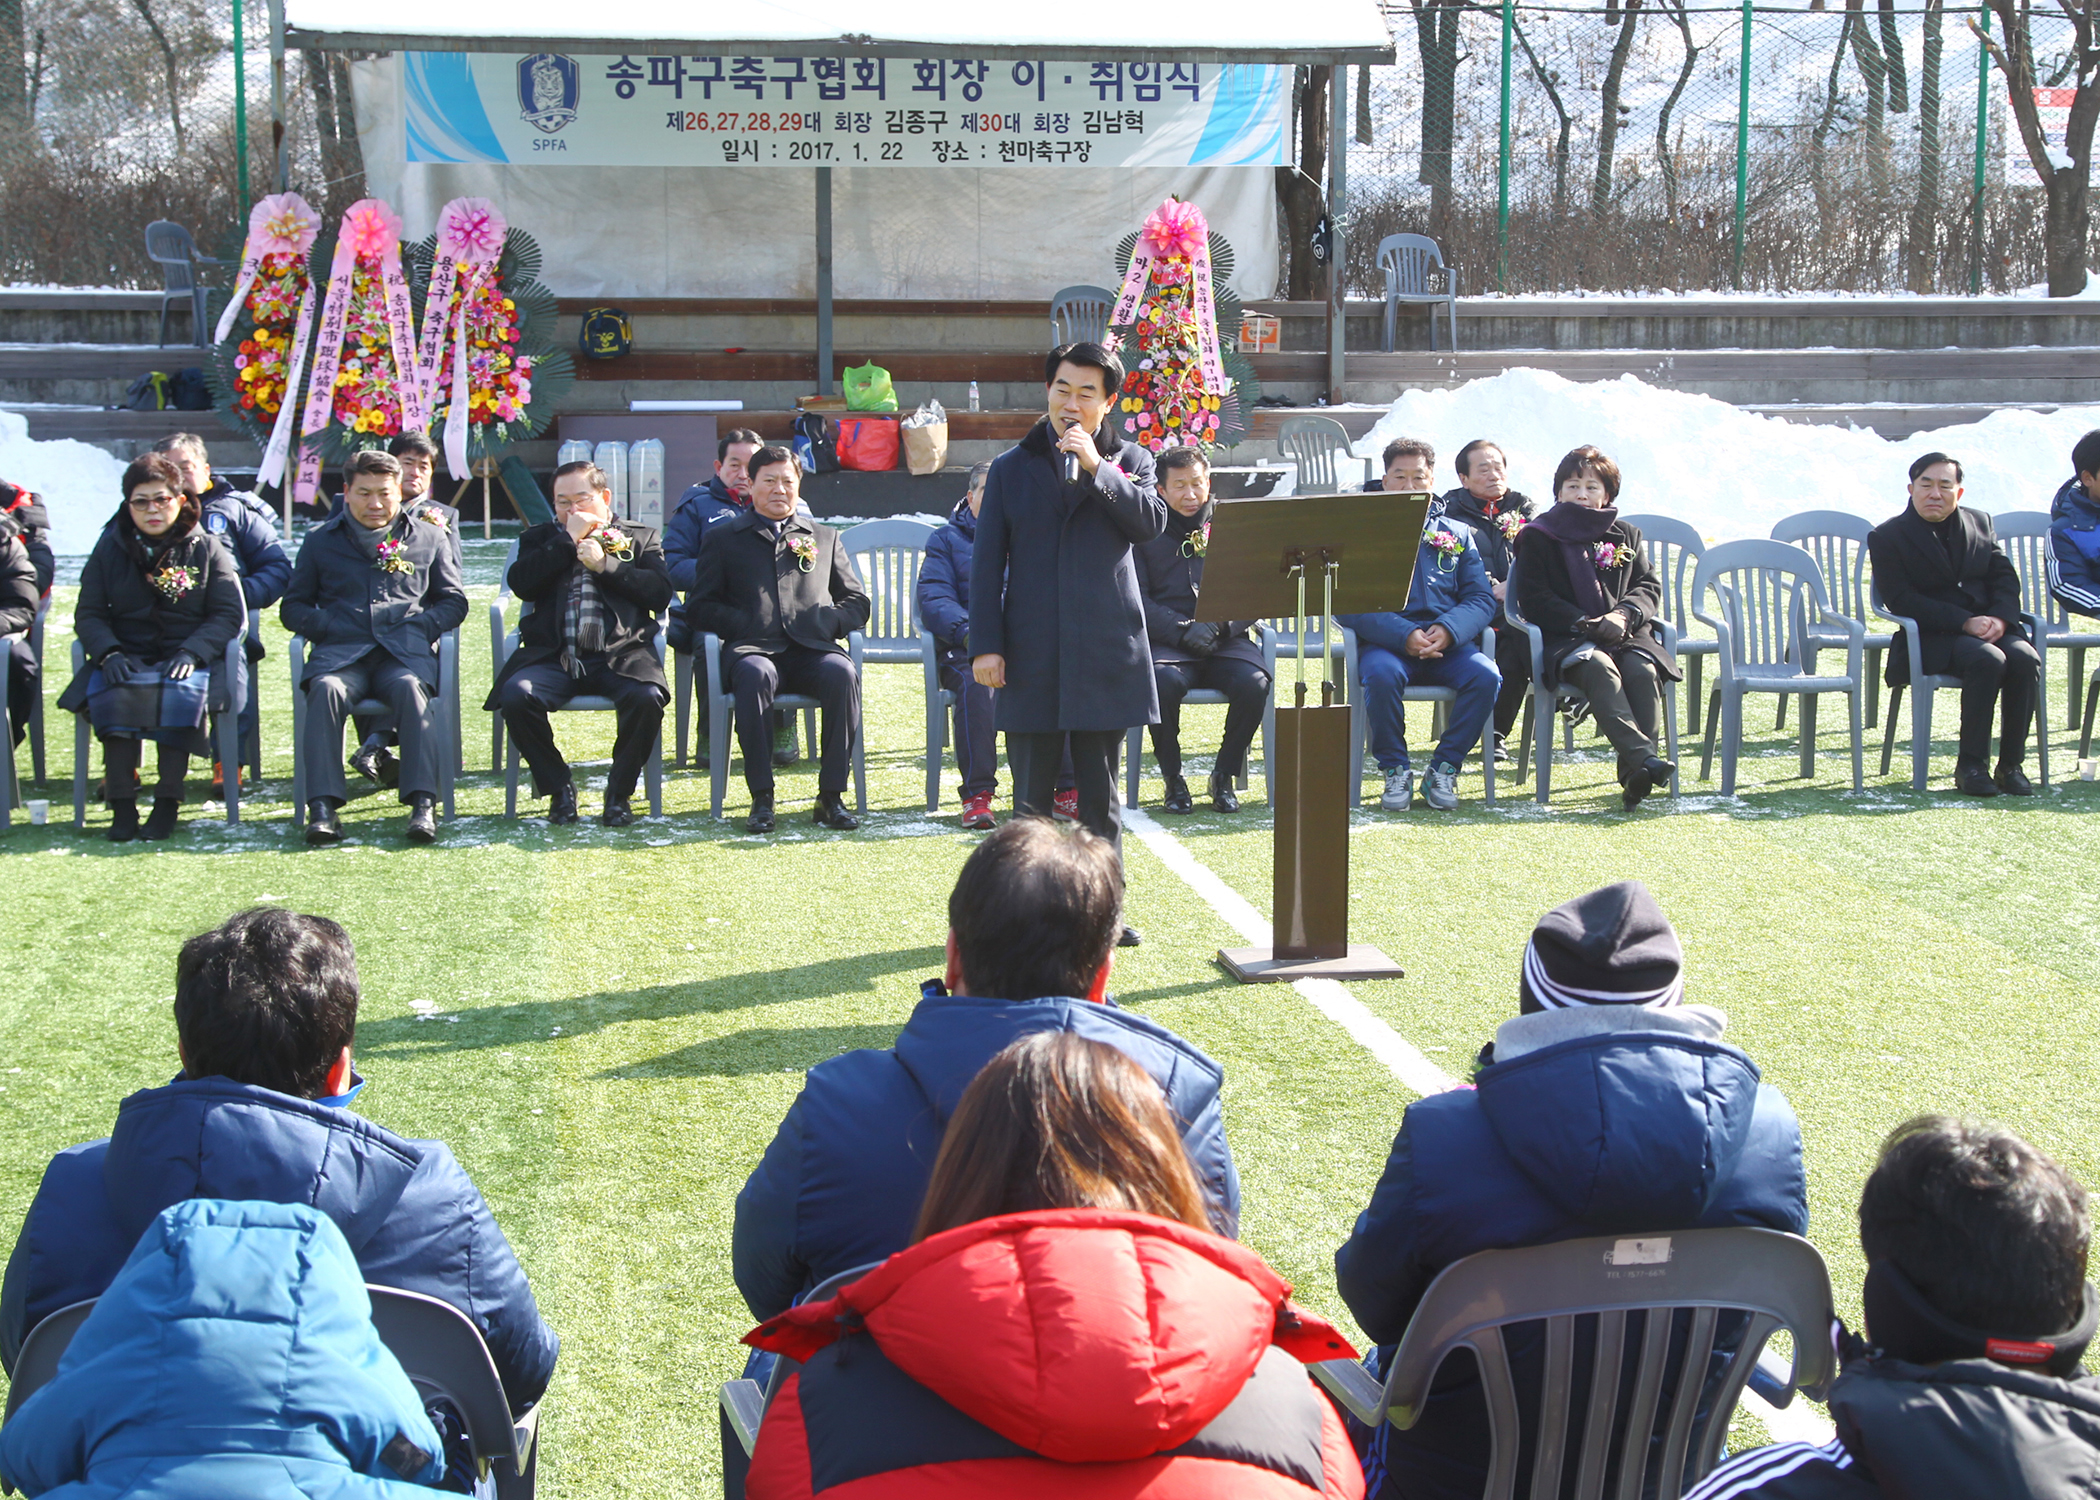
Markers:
point(282, 224)
point(371, 228)
point(1177, 228)
point(471, 230)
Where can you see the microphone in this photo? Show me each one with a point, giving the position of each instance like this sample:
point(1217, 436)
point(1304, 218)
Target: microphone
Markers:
point(1071, 468)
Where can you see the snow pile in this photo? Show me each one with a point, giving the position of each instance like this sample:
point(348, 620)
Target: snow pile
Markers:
point(79, 482)
point(1729, 472)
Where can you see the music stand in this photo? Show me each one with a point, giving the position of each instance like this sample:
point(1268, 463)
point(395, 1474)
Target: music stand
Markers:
point(1257, 564)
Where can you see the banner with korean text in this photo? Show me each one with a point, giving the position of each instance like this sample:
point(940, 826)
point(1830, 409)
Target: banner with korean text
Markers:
point(831, 111)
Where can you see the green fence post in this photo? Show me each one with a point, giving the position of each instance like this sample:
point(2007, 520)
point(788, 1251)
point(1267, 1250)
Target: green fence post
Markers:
point(1983, 136)
point(1742, 147)
point(1509, 18)
point(240, 108)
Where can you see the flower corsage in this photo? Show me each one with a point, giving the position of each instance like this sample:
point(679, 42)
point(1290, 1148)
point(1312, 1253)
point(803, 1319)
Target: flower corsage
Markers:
point(1448, 544)
point(1197, 542)
point(805, 550)
point(434, 516)
point(392, 557)
point(1611, 555)
point(174, 580)
point(614, 541)
point(1511, 522)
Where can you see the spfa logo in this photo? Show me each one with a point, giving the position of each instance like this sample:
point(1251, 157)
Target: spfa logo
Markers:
point(548, 86)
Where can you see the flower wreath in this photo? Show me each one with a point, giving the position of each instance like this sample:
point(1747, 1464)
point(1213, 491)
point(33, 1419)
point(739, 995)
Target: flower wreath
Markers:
point(1186, 383)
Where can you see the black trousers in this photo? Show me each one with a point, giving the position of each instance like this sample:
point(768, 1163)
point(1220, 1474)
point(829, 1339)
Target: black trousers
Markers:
point(24, 681)
point(1625, 693)
point(1513, 661)
point(1246, 689)
point(376, 674)
point(758, 678)
point(2003, 676)
point(1097, 755)
point(121, 754)
point(535, 692)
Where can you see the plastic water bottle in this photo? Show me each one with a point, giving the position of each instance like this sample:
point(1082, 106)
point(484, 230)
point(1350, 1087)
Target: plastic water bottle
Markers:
point(973, 395)
point(645, 483)
point(612, 459)
point(574, 451)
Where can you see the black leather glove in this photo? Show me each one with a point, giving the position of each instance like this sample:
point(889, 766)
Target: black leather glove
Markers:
point(181, 665)
point(117, 669)
point(1201, 637)
point(1605, 630)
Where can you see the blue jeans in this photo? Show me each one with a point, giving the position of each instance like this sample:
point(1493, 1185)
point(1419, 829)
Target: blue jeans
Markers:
point(1464, 670)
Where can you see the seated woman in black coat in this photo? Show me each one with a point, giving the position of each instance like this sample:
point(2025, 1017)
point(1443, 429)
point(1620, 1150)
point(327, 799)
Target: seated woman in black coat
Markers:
point(1580, 576)
point(159, 600)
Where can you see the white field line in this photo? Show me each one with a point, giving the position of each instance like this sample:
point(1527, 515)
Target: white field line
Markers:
point(1798, 1422)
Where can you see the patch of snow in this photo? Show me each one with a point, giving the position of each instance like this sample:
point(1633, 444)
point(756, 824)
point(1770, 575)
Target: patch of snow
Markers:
point(79, 482)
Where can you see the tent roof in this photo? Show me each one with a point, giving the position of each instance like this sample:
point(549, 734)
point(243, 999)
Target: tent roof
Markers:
point(1249, 31)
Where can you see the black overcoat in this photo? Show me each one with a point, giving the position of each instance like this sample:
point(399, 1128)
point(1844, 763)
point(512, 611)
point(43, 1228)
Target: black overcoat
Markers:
point(1546, 597)
point(121, 610)
point(636, 591)
point(19, 594)
point(1170, 574)
point(345, 604)
point(1054, 589)
point(1918, 579)
point(751, 589)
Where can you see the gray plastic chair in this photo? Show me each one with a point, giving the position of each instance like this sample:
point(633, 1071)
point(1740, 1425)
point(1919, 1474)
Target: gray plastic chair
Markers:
point(169, 246)
point(1774, 612)
point(1080, 312)
point(1134, 748)
point(888, 556)
point(1837, 540)
point(1652, 1306)
point(437, 1345)
point(1673, 548)
point(2025, 535)
point(233, 664)
point(36, 710)
point(1442, 697)
point(1406, 261)
point(1311, 443)
point(1923, 685)
point(744, 1402)
point(721, 722)
point(447, 725)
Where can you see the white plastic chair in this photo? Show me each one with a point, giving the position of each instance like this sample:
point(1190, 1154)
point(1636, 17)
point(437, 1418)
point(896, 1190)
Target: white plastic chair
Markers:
point(1311, 443)
point(1407, 261)
point(1837, 540)
point(446, 721)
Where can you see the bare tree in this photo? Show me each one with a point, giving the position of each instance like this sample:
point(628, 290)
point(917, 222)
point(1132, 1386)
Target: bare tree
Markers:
point(1873, 69)
point(1664, 156)
point(14, 80)
point(1892, 54)
point(1923, 239)
point(171, 62)
point(1549, 80)
point(2067, 212)
point(1608, 124)
point(1300, 187)
point(1436, 39)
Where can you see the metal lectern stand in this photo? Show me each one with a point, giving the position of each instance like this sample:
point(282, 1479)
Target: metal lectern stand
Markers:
point(1256, 566)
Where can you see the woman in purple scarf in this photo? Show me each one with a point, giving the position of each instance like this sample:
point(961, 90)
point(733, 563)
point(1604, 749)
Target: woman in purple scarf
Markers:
point(1579, 576)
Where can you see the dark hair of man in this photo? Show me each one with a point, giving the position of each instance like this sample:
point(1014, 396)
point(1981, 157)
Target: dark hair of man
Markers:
point(2085, 454)
point(1464, 462)
point(768, 455)
point(1407, 447)
point(1991, 1232)
point(1036, 910)
point(1087, 355)
point(592, 474)
point(1182, 457)
point(150, 468)
point(370, 461)
point(269, 999)
point(1060, 1121)
point(1587, 460)
point(734, 436)
point(413, 444)
point(979, 473)
point(184, 442)
point(1919, 466)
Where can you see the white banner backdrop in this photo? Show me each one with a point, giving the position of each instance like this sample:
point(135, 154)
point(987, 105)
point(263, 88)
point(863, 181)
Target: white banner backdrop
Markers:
point(992, 233)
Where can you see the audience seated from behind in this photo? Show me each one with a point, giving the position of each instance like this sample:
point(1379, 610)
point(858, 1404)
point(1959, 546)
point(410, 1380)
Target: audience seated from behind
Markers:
point(1032, 922)
point(1434, 642)
point(1965, 1382)
point(1064, 1322)
point(1939, 563)
point(265, 1012)
point(1606, 1106)
point(378, 734)
point(596, 587)
point(1587, 585)
point(1188, 653)
point(781, 592)
point(2074, 532)
point(1485, 502)
point(159, 600)
point(232, 1357)
point(726, 493)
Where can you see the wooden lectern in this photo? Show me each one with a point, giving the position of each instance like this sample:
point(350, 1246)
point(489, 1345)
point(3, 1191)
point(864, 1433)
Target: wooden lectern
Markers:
point(1261, 557)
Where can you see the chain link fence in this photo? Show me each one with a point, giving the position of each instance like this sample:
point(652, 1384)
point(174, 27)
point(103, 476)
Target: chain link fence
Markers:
point(149, 109)
point(1639, 160)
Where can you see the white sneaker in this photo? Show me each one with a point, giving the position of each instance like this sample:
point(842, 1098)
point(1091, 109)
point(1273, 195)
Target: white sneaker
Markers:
point(1399, 791)
point(1440, 791)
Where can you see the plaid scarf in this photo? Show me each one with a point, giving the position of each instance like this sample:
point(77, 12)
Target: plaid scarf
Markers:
point(584, 622)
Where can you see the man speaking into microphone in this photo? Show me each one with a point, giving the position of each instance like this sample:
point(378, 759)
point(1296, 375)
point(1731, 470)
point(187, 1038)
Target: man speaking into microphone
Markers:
point(1056, 624)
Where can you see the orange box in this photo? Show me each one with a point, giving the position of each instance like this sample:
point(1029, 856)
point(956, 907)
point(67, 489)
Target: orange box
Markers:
point(1260, 333)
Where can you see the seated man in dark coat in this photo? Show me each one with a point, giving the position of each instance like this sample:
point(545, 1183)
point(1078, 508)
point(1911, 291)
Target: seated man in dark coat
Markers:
point(1939, 563)
point(943, 599)
point(1485, 502)
point(596, 590)
point(1187, 653)
point(376, 585)
point(1967, 1379)
point(781, 592)
point(22, 514)
point(18, 605)
point(265, 1012)
point(1607, 1106)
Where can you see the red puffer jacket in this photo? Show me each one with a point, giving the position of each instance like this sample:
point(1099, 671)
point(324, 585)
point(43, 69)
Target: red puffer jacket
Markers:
point(1069, 1353)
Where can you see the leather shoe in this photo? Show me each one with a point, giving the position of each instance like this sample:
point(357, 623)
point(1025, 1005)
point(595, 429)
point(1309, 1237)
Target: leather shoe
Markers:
point(1130, 937)
point(563, 809)
point(1177, 799)
point(1974, 781)
point(123, 822)
point(1222, 796)
point(162, 821)
point(617, 813)
point(1653, 775)
point(831, 813)
point(376, 764)
point(761, 819)
point(2013, 781)
point(422, 820)
point(322, 824)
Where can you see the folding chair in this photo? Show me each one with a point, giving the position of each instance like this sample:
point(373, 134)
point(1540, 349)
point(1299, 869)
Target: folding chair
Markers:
point(1647, 1315)
point(583, 703)
point(1673, 548)
point(1774, 613)
point(1080, 312)
point(437, 1345)
point(1923, 685)
point(1837, 540)
point(2025, 535)
point(169, 246)
point(888, 556)
point(1442, 697)
point(1407, 261)
point(234, 665)
point(36, 709)
point(1134, 747)
point(744, 1402)
point(445, 723)
point(1311, 443)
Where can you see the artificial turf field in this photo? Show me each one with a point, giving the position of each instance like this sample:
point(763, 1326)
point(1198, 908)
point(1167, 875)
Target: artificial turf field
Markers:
point(606, 1026)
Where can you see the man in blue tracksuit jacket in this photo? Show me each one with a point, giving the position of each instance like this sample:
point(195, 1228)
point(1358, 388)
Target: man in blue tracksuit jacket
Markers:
point(1434, 642)
point(726, 493)
point(265, 1010)
point(2074, 532)
point(943, 601)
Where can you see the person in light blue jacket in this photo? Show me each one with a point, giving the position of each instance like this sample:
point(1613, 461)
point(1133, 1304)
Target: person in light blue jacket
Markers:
point(2074, 532)
point(233, 1358)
